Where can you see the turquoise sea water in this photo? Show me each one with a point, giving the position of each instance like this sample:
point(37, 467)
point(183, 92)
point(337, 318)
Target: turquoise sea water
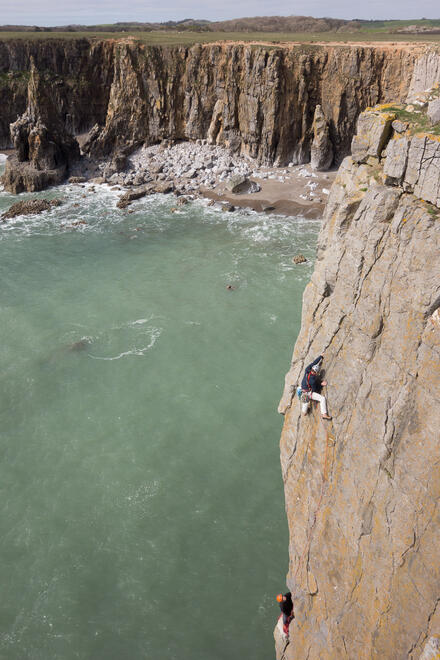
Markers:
point(142, 509)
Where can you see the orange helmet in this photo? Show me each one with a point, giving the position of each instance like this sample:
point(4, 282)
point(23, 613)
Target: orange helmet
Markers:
point(280, 598)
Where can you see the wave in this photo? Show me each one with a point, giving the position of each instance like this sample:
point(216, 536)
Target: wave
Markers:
point(138, 352)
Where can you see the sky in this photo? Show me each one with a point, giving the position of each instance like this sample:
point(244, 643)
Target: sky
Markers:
point(89, 12)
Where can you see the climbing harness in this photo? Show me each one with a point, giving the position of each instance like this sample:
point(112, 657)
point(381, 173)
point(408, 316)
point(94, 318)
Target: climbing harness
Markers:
point(305, 396)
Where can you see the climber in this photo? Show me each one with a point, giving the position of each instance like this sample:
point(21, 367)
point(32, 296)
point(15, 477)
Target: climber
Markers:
point(311, 386)
point(286, 607)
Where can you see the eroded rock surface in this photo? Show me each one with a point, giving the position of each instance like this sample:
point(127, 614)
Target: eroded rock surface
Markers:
point(362, 492)
point(44, 148)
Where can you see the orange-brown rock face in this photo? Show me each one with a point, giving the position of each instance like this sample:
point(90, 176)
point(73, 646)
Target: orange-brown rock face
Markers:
point(255, 99)
point(363, 491)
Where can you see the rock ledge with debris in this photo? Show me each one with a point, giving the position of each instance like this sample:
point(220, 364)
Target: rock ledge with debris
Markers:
point(199, 169)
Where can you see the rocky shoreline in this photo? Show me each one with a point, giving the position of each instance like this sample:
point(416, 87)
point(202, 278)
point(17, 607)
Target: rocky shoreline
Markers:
point(193, 170)
point(197, 169)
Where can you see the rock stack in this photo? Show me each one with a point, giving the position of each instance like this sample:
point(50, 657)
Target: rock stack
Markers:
point(44, 148)
point(321, 156)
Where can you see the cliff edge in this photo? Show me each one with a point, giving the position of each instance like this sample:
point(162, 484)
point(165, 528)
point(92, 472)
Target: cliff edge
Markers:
point(362, 492)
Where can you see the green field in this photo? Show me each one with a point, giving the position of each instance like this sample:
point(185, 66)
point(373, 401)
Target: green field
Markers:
point(173, 38)
point(388, 26)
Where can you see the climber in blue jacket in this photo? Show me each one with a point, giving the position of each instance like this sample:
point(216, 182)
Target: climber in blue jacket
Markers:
point(311, 387)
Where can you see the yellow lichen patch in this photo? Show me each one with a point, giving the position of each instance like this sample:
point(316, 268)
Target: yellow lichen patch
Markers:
point(429, 136)
point(388, 116)
point(384, 106)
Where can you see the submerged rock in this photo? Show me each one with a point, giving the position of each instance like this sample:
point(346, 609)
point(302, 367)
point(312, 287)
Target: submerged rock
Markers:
point(30, 207)
point(80, 345)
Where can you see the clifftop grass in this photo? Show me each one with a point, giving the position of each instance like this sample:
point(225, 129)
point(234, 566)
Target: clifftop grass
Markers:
point(187, 38)
point(418, 121)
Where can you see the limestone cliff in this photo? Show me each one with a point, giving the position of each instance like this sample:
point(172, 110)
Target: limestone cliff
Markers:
point(44, 147)
point(362, 492)
point(256, 99)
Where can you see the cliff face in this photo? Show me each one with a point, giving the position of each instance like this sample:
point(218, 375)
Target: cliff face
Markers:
point(255, 99)
point(362, 492)
point(78, 74)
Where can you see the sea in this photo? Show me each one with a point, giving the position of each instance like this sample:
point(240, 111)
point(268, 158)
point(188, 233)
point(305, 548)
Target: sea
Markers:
point(142, 358)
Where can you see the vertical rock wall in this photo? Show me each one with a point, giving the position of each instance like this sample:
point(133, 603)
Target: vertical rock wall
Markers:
point(363, 491)
point(261, 99)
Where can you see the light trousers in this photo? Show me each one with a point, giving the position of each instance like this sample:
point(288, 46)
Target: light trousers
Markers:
point(316, 397)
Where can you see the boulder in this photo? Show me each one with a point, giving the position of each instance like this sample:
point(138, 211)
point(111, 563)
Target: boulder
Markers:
point(120, 161)
point(239, 185)
point(322, 148)
point(399, 126)
point(156, 168)
point(127, 198)
point(165, 187)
